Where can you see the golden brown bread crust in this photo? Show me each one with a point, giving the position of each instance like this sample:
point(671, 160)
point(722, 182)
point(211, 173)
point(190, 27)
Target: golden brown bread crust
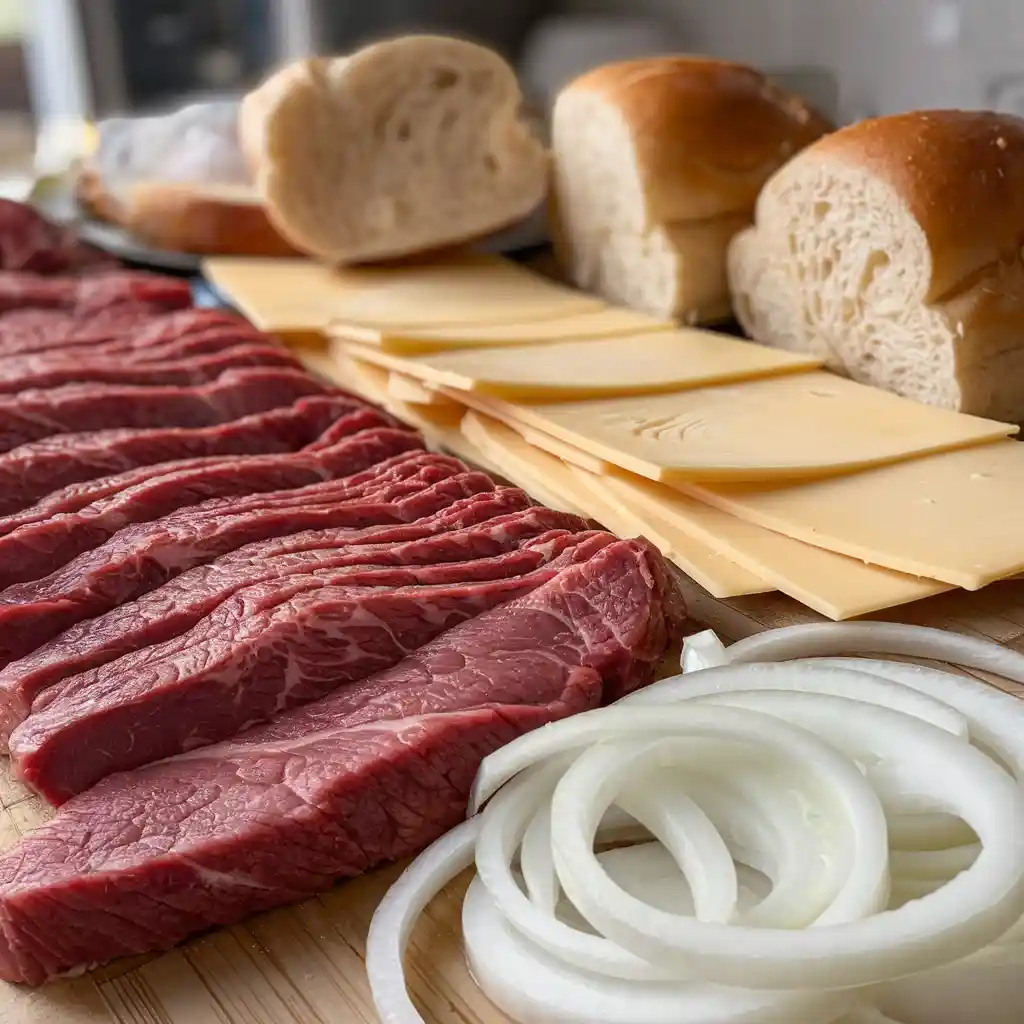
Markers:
point(93, 199)
point(960, 174)
point(202, 221)
point(708, 133)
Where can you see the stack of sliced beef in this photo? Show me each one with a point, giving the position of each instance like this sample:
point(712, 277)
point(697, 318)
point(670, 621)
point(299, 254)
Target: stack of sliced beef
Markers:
point(253, 636)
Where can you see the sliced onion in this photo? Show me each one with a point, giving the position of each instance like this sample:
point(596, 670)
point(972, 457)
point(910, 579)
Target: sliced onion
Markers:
point(809, 676)
point(828, 638)
point(530, 985)
point(675, 927)
point(701, 651)
point(987, 988)
point(396, 914)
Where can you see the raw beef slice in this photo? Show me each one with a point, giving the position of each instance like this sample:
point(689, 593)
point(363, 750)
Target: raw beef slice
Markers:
point(40, 332)
point(34, 415)
point(94, 292)
point(372, 773)
point(270, 647)
point(145, 555)
point(186, 372)
point(72, 470)
point(474, 527)
point(29, 242)
point(37, 549)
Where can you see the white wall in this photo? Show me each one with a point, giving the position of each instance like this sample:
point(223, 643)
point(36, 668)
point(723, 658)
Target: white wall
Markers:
point(887, 55)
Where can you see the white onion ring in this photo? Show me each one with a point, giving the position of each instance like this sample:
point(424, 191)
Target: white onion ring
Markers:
point(935, 858)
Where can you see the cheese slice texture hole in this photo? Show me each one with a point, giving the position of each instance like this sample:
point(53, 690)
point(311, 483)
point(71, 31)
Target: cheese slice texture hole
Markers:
point(954, 517)
point(571, 370)
point(598, 323)
point(789, 427)
point(549, 479)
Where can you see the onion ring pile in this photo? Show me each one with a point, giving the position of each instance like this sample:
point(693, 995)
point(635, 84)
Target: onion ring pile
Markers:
point(774, 836)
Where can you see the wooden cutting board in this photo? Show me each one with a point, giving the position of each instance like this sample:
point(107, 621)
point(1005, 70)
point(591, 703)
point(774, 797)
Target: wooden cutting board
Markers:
point(304, 964)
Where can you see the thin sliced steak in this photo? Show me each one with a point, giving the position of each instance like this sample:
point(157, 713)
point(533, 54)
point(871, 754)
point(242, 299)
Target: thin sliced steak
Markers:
point(372, 773)
point(71, 470)
point(30, 242)
point(38, 549)
point(476, 527)
point(35, 331)
point(186, 372)
point(128, 349)
point(34, 415)
point(93, 292)
point(271, 647)
point(143, 556)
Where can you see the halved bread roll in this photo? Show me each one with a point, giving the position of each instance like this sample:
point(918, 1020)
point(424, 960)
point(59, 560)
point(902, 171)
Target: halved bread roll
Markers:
point(178, 181)
point(893, 249)
point(658, 163)
point(408, 145)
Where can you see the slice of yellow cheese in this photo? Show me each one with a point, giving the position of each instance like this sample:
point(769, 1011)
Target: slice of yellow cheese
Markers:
point(954, 517)
point(834, 585)
point(550, 480)
point(571, 370)
point(409, 389)
point(789, 427)
point(295, 295)
point(599, 323)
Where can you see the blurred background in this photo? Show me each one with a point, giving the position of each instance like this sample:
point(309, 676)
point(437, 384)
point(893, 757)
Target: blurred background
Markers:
point(65, 63)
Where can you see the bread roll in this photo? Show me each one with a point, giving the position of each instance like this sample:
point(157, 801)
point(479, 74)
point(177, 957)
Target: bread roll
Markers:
point(408, 145)
point(658, 163)
point(178, 181)
point(893, 249)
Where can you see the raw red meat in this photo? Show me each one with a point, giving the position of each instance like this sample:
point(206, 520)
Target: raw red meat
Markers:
point(38, 549)
point(270, 647)
point(186, 372)
point(474, 527)
point(371, 773)
point(94, 292)
point(34, 415)
point(70, 471)
point(35, 331)
point(145, 555)
point(128, 349)
point(28, 241)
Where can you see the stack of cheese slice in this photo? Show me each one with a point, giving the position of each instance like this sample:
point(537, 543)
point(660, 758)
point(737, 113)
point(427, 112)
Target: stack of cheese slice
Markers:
point(752, 469)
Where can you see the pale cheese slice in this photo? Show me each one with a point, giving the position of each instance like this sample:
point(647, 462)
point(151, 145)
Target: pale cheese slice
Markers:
point(834, 585)
point(954, 517)
point(409, 389)
point(789, 427)
point(289, 295)
point(571, 370)
point(566, 452)
point(438, 424)
point(551, 480)
point(600, 323)
point(317, 359)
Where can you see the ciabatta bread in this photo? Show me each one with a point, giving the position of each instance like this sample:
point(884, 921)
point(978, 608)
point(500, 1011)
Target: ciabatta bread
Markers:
point(658, 163)
point(409, 145)
point(893, 249)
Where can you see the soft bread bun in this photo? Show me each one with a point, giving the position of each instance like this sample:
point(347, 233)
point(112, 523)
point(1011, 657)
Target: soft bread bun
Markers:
point(658, 163)
point(225, 220)
point(178, 182)
point(893, 249)
point(408, 145)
